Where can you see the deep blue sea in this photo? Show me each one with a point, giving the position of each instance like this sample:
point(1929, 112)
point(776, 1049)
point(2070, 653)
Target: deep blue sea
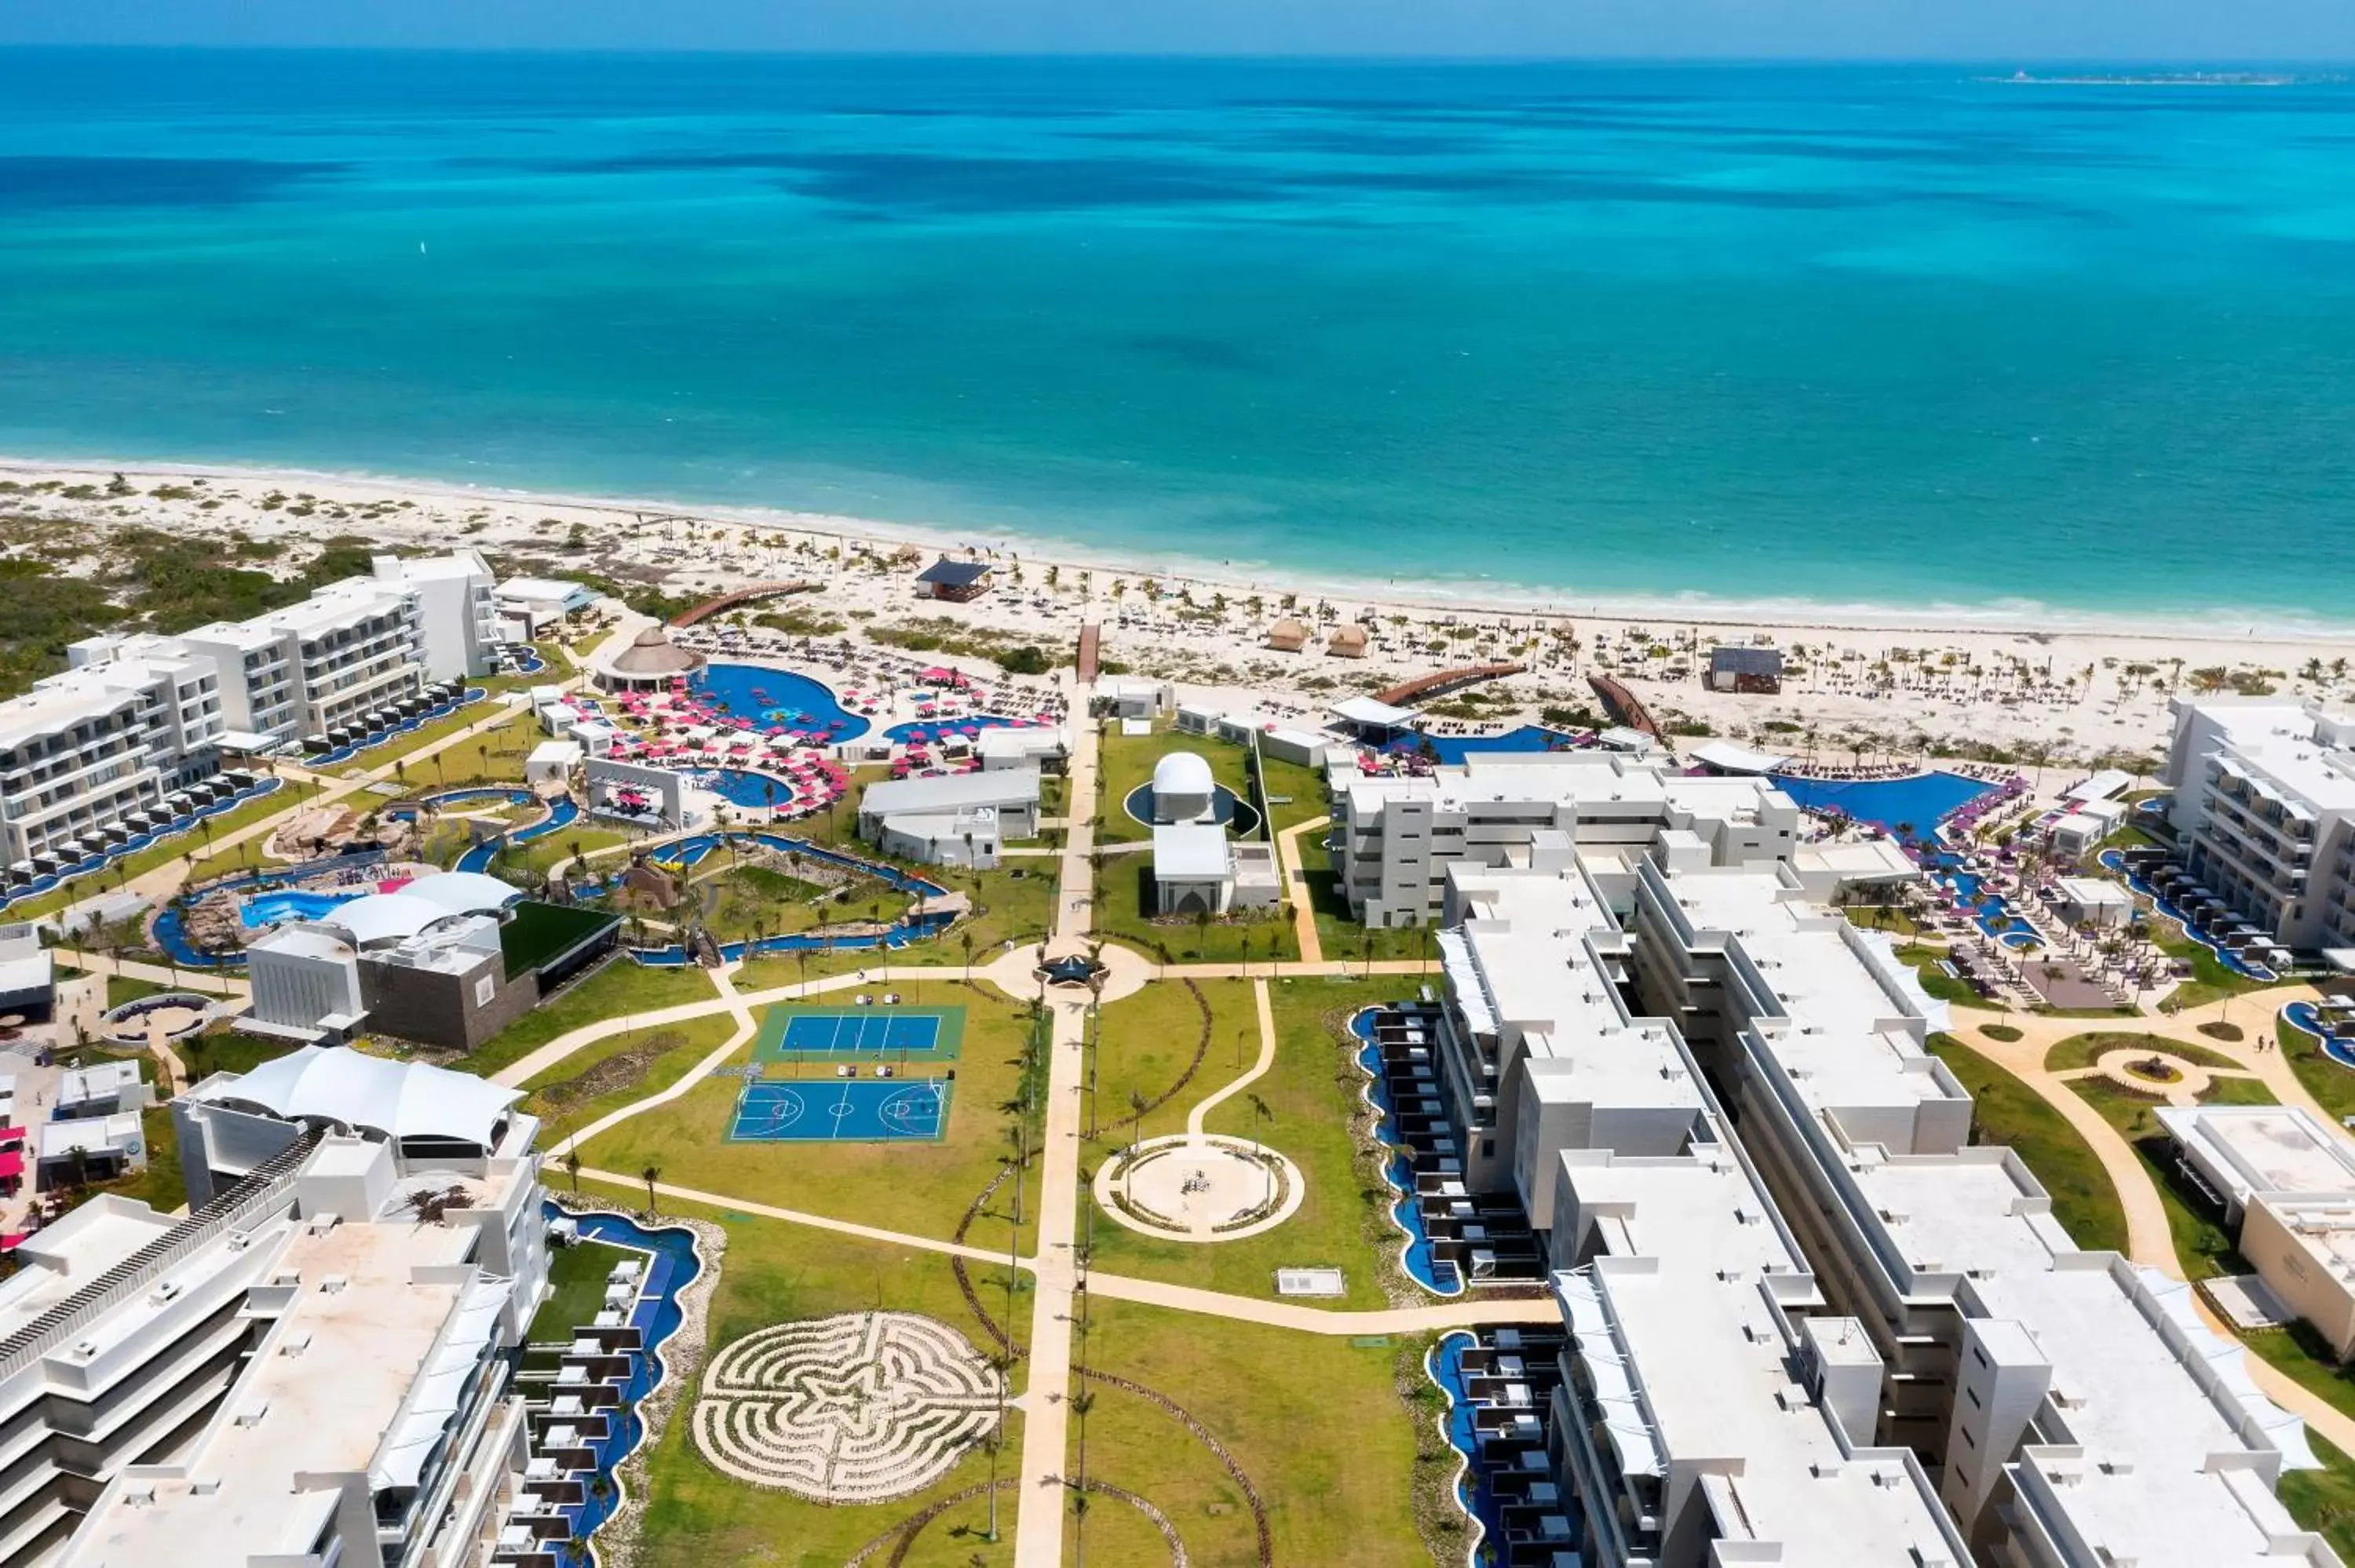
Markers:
point(1844, 335)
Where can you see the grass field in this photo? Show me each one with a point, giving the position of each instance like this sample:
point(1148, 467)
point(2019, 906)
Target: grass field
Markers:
point(2324, 1500)
point(2085, 1050)
point(773, 1273)
point(2332, 1085)
point(1310, 1095)
point(612, 1073)
point(1126, 761)
point(1313, 1420)
point(620, 989)
point(2009, 1112)
point(576, 1288)
point(919, 1187)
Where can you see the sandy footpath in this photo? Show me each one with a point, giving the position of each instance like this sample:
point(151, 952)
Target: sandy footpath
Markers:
point(1869, 691)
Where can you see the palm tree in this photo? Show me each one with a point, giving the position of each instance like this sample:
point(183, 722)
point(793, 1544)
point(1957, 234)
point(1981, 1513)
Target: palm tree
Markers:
point(572, 1169)
point(650, 1175)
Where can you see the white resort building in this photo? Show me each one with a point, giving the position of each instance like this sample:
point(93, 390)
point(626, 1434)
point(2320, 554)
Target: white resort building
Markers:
point(1809, 1321)
point(135, 718)
point(309, 1368)
point(956, 819)
point(2264, 810)
point(1393, 837)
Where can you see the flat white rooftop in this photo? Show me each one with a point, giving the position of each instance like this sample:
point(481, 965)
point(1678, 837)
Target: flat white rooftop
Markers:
point(1706, 1360)
point(324, 1411)
point(1521, 960)
point(2148, 1491)
point(1567, 780)
point(1849, 1042)
point(2262, 1148)
point(2277, 742)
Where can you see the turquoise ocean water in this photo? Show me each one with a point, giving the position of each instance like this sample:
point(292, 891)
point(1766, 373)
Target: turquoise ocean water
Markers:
point(1849, 336)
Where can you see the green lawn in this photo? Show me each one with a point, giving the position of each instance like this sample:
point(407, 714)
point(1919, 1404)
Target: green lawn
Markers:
point(2332, 1085)
point(620, 989)
point(220, 1050)
point(1314, 1420)
point(1311, 1094)
point(1127, 761)
point(1144, 1042)
point(1298, 791)
point(612, 1073)
point(2209, 981)
point(2009, 1112)
point(1936, 982)
point(576, 1279)
point(773, 1273)
point(2085, 1050)
point(922, 1188)
point(2323, 1501)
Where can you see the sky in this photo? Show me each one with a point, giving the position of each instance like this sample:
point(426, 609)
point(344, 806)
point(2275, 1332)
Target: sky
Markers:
point(1999, 31)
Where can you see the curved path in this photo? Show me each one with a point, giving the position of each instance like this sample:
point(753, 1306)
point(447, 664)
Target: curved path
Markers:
point(2150, 1241)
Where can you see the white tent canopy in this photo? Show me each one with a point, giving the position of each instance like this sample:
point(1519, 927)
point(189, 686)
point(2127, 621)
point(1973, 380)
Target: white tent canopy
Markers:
point(1725, 757)
point(1367, 711)
point(397, 1099)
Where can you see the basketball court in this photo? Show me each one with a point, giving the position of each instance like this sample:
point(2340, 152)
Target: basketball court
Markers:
point(841, 1110)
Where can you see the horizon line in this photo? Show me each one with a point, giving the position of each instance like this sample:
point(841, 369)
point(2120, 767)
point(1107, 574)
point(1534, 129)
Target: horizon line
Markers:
point(2203, 63)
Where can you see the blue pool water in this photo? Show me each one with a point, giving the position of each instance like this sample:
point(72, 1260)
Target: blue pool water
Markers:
point(1992, 911)
point(758, 697)
point(1918, 804)
point(1473, 1491)
point(1452, 749)
point(1227, 809)
point(137, 842)
point(1400, 1175)
point(269, 908)
point(672, 1266)
point(932, 729)
point(2111, 860)
point(560, 816)
point(747, 786)
point(2304, 1017)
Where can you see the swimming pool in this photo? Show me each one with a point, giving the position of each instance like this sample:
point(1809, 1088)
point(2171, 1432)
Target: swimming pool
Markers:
point(933, 729)
point(747, 786)
point(292, 904)
point(1452, 749)
point(758, 696)
point(1911, 807)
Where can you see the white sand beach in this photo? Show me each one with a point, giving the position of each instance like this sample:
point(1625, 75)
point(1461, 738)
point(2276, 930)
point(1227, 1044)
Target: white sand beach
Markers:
point(1872, 687)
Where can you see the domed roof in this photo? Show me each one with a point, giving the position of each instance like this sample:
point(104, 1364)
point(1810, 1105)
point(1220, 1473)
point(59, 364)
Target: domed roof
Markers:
point(1183, 773)
point(652, 652)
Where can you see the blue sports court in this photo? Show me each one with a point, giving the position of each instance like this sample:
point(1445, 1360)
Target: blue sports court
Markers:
point(842, 1110)
point(860, 1033)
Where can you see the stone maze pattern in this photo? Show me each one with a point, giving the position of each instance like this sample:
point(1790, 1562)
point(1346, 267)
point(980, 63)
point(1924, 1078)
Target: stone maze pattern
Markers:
point(863, 1407)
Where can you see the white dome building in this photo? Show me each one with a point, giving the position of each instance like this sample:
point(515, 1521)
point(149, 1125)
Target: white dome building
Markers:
point(1183, 790)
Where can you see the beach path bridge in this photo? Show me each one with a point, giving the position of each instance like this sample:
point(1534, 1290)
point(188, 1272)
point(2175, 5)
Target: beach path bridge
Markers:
point(1439, 683)
point(711, 607)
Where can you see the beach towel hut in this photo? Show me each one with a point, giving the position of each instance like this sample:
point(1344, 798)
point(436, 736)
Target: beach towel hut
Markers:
point(1348, 641)
point(1288, 635)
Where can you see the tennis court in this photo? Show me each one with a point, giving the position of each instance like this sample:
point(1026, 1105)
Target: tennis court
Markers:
point(860, 1033)
point(846, 1110)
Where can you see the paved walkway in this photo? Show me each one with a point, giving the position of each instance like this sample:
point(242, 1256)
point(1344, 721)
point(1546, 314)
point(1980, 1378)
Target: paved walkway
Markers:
point(1258, 1070)
point(1038, 1507)
point(1295, 882)
point(2150, 1241)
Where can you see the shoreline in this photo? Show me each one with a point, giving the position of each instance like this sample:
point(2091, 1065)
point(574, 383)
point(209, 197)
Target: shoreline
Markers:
point(1457, 596)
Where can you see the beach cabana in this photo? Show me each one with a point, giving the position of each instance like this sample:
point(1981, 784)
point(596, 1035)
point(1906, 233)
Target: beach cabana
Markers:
point(1349, 641)
point(1288, 636)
